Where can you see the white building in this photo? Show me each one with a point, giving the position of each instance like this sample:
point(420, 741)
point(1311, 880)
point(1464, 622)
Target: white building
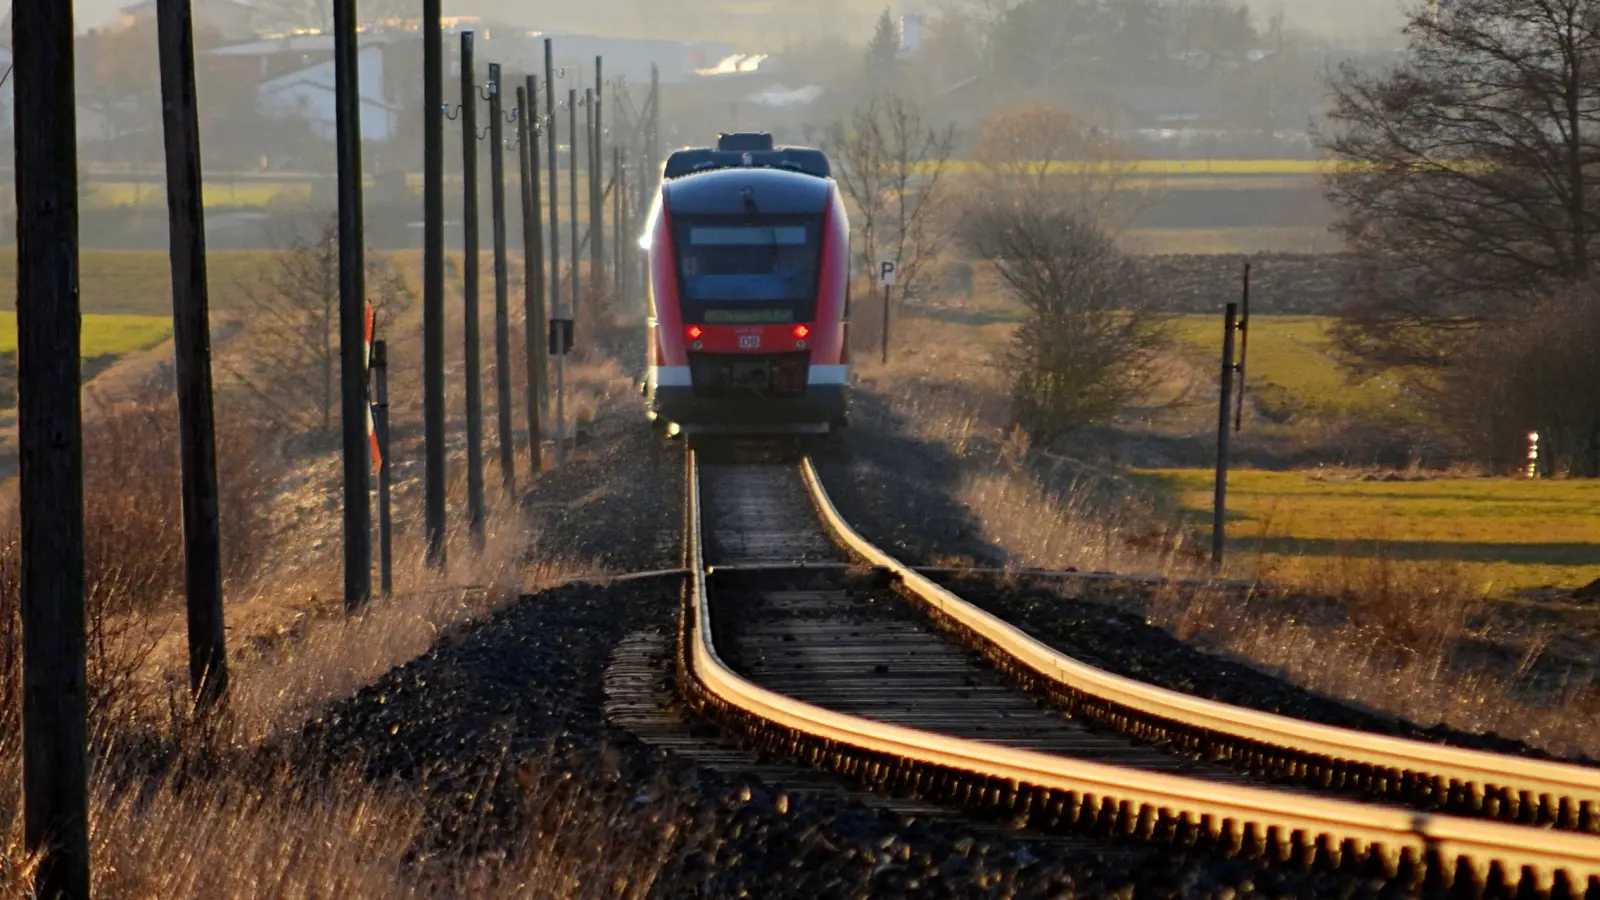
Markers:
point(308, 94)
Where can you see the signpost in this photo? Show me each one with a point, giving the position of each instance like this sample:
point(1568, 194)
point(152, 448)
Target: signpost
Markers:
point(888, 273)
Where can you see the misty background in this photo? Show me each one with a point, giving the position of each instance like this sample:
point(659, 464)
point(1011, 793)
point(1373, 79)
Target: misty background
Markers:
point(759, 20)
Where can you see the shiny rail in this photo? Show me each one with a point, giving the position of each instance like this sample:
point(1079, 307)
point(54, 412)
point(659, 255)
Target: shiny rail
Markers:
point(1055, 791)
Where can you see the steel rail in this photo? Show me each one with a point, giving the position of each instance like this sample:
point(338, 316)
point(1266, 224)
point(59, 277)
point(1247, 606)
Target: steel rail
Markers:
point(1249, 820)
point(1490, 784)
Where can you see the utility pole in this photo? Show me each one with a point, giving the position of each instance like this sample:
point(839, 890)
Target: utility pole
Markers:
point(652, 131)
point(533, 264)
point(619, 180)
point(502, 309)
point(554, 297)
point(55, 762)
point(572, 198)
point(597, 202)
point(191, 338)
point(380, 386)
point(433, 282)
point(352, 313)
point(572, 311)
point(469, 228)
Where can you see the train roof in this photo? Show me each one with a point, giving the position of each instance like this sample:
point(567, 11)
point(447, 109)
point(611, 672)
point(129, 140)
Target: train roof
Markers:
point(724, 192)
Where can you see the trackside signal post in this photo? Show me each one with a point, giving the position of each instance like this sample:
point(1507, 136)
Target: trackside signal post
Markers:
point(380, 387)
point(888, 274)
point(1232, 323)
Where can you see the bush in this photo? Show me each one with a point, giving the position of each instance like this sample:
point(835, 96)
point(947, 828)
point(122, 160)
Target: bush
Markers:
point(1539, 373)
point(133, 533)
point(1083, 350)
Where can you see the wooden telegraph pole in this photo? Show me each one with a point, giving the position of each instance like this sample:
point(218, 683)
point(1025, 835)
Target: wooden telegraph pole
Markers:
point(191, 333)
point(353, 396)
point(502, 307)
point(533, 324)
point(597, 203)
point(55, 766)
point(433, 281)
point(469, 227)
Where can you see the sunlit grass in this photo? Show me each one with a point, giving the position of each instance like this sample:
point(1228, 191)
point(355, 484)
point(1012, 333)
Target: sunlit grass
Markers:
point(1291, 367)
point(1504, 533)
point(102, 335)
point(139, 282)
point(1212, 241)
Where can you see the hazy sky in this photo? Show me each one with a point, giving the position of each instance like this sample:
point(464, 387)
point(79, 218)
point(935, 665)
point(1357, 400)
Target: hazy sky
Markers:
point(1342, 17)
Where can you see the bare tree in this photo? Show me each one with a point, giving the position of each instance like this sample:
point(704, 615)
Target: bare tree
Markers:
point(891, 165)
point(288, 361)
point(1466, 189)
point(1084, 350)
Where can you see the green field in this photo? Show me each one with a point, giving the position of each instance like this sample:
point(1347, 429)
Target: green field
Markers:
point(139, 282)
point(153, 195)
point(1502, 533)
point(103, 335)
point(1229, 240)
point(1291, 369)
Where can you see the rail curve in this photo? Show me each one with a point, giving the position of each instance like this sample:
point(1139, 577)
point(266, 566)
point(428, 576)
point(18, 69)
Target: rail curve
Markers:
point(1473, 782)
point(1055, 791)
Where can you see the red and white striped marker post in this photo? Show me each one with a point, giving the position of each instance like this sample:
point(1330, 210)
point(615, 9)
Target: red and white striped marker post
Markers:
point(372, 428)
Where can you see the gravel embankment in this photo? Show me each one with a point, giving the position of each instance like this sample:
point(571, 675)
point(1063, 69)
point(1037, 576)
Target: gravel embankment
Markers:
point(897, 493)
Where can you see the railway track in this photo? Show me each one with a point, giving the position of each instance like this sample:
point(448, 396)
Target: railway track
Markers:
point(811, 660)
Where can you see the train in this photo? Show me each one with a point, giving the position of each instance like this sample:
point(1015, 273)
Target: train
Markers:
point(748, 249)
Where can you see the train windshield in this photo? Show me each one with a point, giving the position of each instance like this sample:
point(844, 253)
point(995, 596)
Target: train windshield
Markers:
point(743, 263)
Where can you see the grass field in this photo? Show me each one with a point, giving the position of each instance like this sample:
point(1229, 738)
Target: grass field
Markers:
point(139, 283)
point(1213, 241)
point(103, 335)
point(1502, 533)
point(1291, 368)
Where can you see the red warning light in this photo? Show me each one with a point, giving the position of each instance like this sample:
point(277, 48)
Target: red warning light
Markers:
point(800, 331)
point(695, 331)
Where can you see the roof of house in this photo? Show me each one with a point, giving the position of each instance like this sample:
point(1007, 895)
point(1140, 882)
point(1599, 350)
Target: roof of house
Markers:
point(147, 4)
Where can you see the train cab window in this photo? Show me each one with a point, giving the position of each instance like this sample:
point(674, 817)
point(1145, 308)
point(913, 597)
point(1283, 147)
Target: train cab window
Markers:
point(749, 263)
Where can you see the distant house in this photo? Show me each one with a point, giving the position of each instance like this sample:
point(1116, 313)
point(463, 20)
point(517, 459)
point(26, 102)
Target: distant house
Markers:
point(271, 57)
point(234, 20)
point(308, 94)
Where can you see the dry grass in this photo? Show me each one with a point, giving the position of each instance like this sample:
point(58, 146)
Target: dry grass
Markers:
point(289, 837)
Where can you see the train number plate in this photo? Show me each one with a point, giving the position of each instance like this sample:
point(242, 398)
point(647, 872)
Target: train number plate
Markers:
point(749, 342)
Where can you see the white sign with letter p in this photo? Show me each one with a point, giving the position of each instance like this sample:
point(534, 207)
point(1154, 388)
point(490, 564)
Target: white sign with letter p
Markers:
point(887, 270)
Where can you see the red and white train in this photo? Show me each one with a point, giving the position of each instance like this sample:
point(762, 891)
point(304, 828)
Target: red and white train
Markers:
point(749, 258)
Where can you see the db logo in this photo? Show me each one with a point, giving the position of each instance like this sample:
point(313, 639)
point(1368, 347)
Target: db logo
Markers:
point(749, 341)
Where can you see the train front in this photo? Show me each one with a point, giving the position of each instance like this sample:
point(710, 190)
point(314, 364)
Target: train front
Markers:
point(749, 281)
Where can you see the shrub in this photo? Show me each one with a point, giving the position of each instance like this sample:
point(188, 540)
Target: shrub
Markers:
point(1083, 350)
point(1539, 373)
